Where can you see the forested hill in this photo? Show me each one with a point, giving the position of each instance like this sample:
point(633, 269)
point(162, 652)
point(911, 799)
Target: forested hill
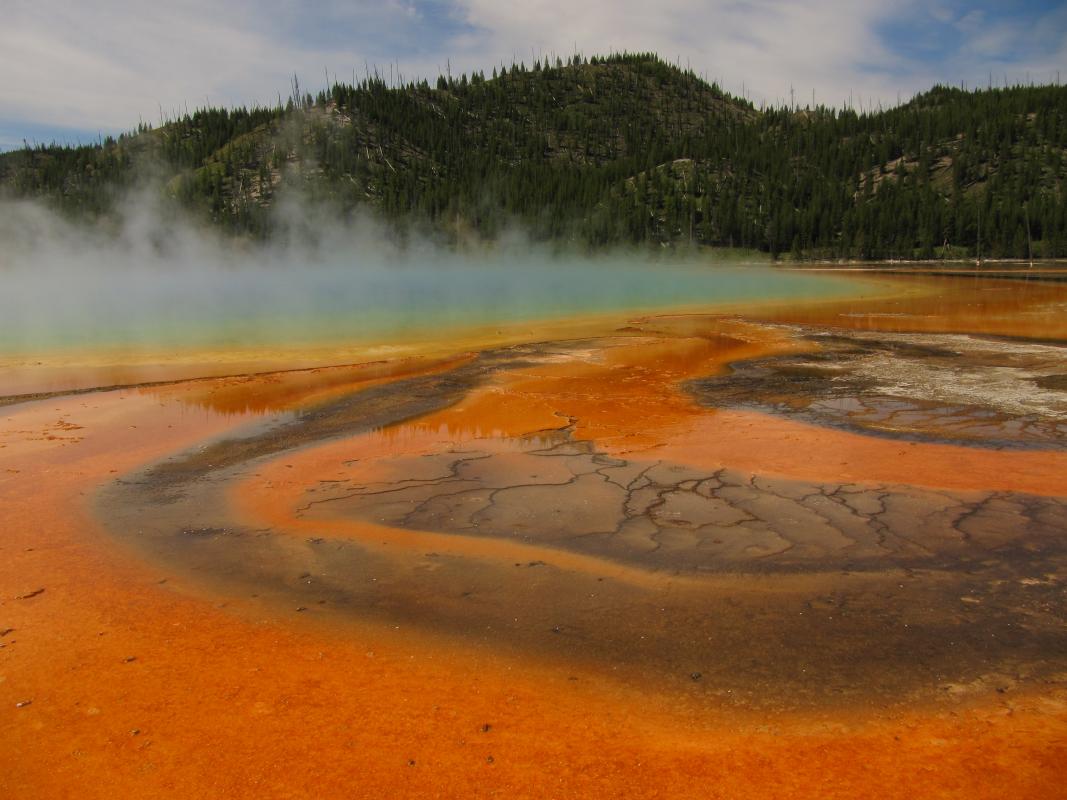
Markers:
point(601, 151)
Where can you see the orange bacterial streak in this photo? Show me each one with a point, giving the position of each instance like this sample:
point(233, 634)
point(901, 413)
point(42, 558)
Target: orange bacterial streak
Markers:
point(118, 680)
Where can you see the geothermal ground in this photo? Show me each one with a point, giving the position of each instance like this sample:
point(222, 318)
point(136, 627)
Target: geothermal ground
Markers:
point(815, 550)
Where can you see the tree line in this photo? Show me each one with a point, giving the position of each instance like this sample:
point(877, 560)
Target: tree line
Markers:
point(601, 151)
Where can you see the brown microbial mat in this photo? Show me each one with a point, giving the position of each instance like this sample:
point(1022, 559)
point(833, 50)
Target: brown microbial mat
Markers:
point(923, 387)
point(815, 551)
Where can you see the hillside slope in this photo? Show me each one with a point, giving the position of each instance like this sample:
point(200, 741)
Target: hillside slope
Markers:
point(622, 149)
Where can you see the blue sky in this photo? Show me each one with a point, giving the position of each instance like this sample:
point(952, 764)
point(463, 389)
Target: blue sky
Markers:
point(76, 70)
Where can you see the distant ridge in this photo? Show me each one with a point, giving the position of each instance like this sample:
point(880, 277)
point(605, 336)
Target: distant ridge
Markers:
point(622, 149)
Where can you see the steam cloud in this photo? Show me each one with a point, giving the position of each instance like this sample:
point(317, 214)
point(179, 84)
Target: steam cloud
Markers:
point(150, 279)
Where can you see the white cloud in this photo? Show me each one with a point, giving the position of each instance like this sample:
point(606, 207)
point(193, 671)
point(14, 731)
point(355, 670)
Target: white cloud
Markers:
point(1011, 47)
point(971, 21)
point(106, 64)
point(103, 65)
point(941, 13)
point(768, 45)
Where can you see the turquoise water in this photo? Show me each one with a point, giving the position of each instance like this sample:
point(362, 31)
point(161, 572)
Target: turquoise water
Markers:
point(247, 306)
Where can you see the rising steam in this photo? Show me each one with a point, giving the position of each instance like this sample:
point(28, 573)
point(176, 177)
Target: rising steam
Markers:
point(149, 279)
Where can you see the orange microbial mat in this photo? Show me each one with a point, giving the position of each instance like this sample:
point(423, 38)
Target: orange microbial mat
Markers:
point(806, 551)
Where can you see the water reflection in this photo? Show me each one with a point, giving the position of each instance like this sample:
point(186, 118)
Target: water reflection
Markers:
point(976, 304)
point(287, 390)
point(570, 500)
